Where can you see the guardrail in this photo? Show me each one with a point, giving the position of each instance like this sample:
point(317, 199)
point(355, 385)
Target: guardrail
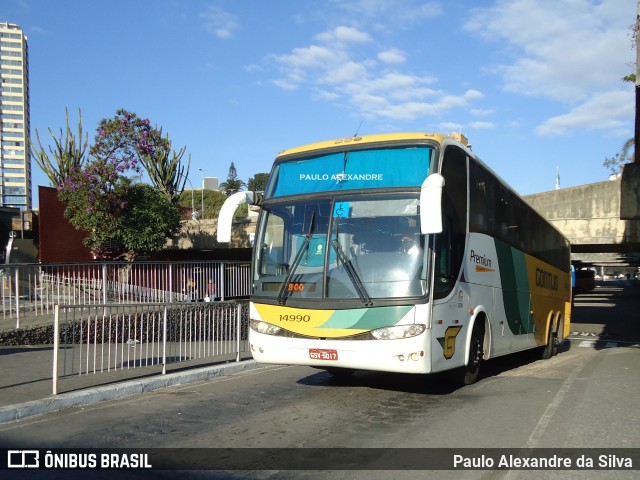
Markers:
point(108, 337)
point(34, 289)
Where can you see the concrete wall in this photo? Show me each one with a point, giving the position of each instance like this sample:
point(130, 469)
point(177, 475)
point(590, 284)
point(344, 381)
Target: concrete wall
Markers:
point(201, 235)
point(590, 217)
point(588, 214)
point(630, 192)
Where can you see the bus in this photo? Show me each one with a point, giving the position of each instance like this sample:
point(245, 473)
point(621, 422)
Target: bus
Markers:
point(399, 252)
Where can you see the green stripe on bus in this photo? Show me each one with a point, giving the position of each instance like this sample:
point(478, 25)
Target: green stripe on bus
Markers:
point(514, 280)
point(366, 318)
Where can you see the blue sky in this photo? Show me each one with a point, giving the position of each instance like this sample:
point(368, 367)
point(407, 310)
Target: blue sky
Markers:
point(534, 84)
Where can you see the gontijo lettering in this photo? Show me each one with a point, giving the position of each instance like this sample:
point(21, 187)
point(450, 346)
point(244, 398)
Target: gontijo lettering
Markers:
point(546, 279)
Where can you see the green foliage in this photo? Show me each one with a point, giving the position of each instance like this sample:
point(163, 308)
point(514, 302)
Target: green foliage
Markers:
point(128, 138)
point(625, 155)
point(233, 183)
point(213, 201)
point(148, 221)
point(122, 219)
point(68, 153)
point(258, 183)
point(96, 198)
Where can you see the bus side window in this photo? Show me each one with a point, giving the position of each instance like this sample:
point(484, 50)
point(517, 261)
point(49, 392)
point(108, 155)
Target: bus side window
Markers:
point(481, 202)
point(450, 243)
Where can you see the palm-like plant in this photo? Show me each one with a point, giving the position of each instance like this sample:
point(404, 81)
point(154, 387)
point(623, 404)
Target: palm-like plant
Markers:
point(68, 154)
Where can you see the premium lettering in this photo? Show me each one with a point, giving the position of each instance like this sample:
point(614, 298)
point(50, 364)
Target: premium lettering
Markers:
point(480, 259)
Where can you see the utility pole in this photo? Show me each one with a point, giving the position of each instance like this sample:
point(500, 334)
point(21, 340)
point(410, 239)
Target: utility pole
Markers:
point(202, 191)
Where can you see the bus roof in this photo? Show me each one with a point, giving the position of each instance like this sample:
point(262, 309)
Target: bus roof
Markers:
point(378, 138)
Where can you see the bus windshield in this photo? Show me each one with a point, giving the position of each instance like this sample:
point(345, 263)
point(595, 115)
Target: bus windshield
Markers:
point(349, 247)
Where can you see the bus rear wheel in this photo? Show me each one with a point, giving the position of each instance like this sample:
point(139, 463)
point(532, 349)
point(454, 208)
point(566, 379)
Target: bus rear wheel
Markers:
point(551, 348)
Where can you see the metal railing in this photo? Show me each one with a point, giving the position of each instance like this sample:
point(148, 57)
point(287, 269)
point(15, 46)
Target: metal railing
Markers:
point(34, 289)
point(110, 337)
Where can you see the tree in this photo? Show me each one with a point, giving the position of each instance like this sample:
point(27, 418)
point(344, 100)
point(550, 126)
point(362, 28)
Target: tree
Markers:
point(122, 219)
point(625, 155)
point(258, 183)
point(149, 221)
point(69, 153)
point(233, 183)
point(130, 138)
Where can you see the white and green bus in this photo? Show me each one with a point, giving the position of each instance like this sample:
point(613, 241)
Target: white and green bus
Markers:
point(399, 252)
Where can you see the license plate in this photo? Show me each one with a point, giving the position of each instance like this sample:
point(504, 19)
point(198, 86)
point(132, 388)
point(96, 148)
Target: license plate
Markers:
point(323, 354)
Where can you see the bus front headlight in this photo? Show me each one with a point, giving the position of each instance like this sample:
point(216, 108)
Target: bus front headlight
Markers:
point(264, 327)
point(398, 331)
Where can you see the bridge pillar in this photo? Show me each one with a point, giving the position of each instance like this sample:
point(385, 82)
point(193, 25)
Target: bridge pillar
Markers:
point(630, 192)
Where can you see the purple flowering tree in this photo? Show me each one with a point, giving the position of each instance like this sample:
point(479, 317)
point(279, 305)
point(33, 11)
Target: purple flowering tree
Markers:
point(121, 218)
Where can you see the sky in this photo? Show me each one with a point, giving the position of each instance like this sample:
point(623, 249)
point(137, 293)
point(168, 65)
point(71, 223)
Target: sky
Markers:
point(536, 85)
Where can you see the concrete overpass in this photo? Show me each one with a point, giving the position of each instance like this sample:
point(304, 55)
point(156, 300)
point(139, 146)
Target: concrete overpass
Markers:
point(601, 220)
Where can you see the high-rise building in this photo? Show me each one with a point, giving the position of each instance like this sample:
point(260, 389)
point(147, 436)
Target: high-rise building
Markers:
point(15, 159)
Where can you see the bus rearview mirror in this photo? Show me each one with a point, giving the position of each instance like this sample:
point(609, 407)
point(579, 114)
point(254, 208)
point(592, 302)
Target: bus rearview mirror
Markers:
point(228, 210)
point(431, 204)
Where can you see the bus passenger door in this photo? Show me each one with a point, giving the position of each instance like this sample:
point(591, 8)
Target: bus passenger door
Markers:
point(451, 296)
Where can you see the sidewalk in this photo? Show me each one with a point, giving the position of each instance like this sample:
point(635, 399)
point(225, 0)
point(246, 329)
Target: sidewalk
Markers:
point(26, 381)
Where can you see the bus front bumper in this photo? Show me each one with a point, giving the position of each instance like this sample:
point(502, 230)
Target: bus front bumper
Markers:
point(407, 355)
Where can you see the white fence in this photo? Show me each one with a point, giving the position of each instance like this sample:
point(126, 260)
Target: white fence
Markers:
point(34, 289)
point(111, 337)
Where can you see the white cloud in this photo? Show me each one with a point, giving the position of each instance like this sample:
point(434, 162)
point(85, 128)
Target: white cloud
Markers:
point(343, 35)
point(334, 71)
point(391, 11)
point(393, 56)
point(451, 127)
point(477, 112)
point(219, 22)
point(605, 111)
point(345, 72)
point(562, 50)
point(482, 125)
point(253, 68)
point(313, 56)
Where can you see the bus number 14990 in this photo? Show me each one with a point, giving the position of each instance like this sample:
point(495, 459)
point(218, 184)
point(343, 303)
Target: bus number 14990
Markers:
point(295, 318)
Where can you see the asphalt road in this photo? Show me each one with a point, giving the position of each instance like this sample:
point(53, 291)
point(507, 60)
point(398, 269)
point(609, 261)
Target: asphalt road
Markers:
point(585, 398)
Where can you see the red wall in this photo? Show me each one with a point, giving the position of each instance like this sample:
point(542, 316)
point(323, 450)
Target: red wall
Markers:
point(60, 242)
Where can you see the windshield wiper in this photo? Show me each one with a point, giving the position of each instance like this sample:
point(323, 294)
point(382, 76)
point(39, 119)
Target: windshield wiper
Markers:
point(282, 294)
point(353, 275)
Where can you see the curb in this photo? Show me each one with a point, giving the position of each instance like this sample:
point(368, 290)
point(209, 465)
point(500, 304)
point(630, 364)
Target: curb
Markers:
point(89, 396)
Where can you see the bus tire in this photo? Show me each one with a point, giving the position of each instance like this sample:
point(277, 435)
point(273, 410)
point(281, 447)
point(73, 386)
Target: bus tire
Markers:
point(551, 347)
point(340, 372)
point(469, 374)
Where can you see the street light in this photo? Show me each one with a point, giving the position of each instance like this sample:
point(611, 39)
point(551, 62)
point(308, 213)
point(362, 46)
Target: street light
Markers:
point(193, 206)
point(202, 193)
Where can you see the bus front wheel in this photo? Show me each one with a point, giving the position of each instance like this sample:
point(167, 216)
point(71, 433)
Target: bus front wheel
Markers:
point(469, 373)
point(341, 373)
